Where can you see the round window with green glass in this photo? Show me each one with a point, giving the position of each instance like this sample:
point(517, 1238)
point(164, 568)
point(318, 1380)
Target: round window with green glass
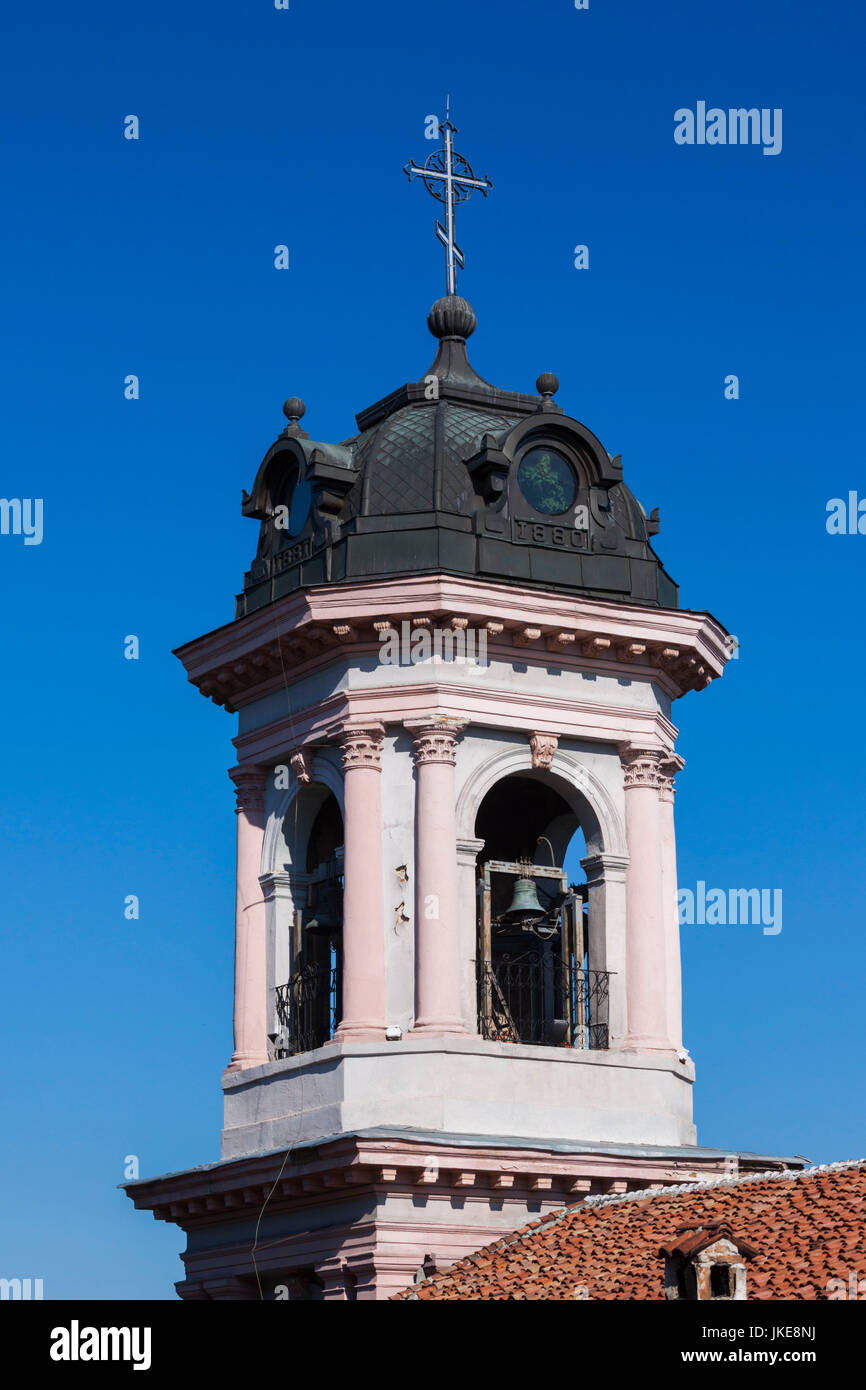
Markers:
point(547, 481)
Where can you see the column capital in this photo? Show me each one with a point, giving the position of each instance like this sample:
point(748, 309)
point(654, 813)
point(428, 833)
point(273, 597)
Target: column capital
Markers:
point(250, 783)
point(669, 766)
point(280, 883)
point(361, 746)
point(641, 766)
point(436, 739)
point(543, 747)
point(605, 867)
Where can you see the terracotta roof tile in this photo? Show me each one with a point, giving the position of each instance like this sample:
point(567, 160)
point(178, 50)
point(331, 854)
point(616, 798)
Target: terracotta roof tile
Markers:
point(805, 1228)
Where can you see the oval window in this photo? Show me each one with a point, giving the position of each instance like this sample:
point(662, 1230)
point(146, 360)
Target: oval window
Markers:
point(547, 481)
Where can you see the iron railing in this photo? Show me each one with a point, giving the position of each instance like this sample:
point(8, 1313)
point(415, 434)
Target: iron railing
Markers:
point(308, 1009)
point(537, 997)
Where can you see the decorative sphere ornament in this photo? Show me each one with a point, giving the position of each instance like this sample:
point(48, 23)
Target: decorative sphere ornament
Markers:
point(452, 317)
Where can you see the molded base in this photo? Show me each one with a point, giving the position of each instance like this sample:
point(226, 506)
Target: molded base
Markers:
point(460, 1085)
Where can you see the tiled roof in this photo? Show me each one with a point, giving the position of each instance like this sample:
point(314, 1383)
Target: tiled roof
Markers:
point(401, 457)
point(806, 1228)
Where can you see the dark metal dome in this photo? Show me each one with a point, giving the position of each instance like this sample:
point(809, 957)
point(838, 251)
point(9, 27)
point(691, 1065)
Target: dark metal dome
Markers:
point(450, 474)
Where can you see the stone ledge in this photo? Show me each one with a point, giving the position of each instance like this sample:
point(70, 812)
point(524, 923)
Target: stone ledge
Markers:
point(471, 1045)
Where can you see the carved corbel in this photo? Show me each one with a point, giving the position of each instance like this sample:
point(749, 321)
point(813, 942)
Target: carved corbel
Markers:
point(631, 651)
point(332, 477)
point(488, 470)
point(544, 748)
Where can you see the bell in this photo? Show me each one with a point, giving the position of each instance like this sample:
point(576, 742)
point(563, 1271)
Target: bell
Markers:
point(328, 918)
point(524, 902)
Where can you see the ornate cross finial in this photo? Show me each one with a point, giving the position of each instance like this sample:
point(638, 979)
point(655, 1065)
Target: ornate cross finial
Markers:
point(449, 177)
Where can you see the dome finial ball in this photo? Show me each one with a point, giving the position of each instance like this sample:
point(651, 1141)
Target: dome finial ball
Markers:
point(452, 317)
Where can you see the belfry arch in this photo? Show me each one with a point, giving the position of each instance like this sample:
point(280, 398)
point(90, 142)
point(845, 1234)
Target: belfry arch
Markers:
point(582, 791)
point(306, 917)
point(541, 972)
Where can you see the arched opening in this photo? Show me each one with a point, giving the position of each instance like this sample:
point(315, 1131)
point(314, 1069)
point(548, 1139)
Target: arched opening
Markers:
point(535, 980)
point(309, 1004)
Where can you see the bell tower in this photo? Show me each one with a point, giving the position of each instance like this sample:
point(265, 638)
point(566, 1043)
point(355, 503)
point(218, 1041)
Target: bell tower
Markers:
point(455, 654)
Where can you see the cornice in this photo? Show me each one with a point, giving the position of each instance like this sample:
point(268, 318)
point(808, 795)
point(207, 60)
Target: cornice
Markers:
point(244, 660)
point(358, 1165)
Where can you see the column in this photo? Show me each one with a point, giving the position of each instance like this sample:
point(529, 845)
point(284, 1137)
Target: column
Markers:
point(669, 768)
point(251, 1004)
point(363, 897)
point(281, 890)
point(606, 933)
point(646, 946)
point(437, 949)
point(467, 929)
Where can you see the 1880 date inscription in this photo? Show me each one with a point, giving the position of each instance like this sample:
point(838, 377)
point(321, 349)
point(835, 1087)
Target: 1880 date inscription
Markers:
point(544, 533)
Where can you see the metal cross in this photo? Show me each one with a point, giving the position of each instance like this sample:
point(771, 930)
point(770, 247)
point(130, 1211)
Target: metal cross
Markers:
point(449, 177)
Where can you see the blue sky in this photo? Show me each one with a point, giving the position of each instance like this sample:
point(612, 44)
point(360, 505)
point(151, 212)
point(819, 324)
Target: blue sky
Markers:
point(155, 257)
